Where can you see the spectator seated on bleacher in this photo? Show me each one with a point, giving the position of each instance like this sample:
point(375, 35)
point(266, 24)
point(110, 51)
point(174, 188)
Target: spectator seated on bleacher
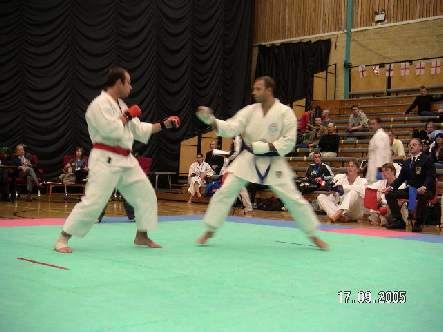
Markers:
point(419, 172)
point(424, 103)
point(426, 147)
point(325, 119)
point(306, 120)
point(397, 148)
point(317, 175)
point(358, 122)
point(77, 166)
point(349, 205)
point(198, 172)
point(26, 168)
point(315, 134)
point(428, 134)
point(378, 217)
point(328, 143)
point(437, 151)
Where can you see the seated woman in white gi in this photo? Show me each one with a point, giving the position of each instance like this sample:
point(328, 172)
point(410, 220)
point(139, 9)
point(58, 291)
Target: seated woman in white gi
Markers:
point(349, 206)
point(196, 177)
point(389, 172)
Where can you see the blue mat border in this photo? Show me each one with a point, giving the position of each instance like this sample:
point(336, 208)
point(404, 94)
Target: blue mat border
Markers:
point(276, 223)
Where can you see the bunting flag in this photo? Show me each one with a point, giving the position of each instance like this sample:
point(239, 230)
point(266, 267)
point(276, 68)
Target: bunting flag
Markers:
point(435, 68)
point(420, 68)
point(376, 69)
point(362, 70)
point(389, 69)
point(404, 69)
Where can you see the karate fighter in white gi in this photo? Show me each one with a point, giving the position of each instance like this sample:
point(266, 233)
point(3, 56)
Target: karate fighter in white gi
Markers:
point(270, 130)
point(379, 149)
point(349, 206)
point(113, 127)
point(196, 176)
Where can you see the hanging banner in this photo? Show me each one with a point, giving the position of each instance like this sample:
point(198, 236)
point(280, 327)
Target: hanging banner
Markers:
point(435, 67)
point(362, 70)
point(389, 69)
point(420, 68)
point(376, 70)
point(404, 69)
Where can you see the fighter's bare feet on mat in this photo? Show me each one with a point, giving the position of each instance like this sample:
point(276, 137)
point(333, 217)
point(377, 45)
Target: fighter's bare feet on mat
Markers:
point(204, 237)
point(189, 202)
point(320, 243)
point(62, 248)
point(142, 239)
point(146, 242)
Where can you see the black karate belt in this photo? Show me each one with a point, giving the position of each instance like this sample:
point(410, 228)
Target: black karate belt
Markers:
point(261, 176)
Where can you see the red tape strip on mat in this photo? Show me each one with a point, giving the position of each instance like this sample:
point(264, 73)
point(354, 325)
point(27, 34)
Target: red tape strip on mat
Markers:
point(31, 261)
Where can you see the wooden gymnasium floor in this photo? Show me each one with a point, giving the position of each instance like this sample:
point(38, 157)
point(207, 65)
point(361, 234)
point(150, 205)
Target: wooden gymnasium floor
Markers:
point(60, 208)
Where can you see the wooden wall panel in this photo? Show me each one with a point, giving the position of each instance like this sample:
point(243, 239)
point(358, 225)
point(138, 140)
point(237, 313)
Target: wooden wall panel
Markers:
point(285, 19)
point(375, 82)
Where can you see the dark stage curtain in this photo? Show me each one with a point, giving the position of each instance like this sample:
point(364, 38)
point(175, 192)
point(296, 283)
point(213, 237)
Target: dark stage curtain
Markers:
point(54, 57)
point(293, 67)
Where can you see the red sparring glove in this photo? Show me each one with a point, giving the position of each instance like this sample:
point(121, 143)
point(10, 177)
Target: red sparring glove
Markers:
point(175, 121)
point(132, 112)
point(383, 211)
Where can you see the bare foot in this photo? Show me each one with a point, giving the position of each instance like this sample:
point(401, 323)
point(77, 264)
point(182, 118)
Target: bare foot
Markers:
point(142, 239)
point(320, 243)
point(375, 223)
point(204, 237)
point(97, 221)
point(198, 194)
point(344, 219)
point(146, 242)
point(62, 248)
point(189, 202)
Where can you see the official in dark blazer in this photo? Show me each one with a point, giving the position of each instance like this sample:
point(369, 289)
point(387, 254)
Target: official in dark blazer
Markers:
point(25, 169)
point(419, 172)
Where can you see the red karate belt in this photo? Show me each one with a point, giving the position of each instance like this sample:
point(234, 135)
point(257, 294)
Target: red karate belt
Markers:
point(115, 149)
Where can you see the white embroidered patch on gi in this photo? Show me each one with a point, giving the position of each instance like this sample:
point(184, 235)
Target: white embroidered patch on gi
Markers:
point(272, 127)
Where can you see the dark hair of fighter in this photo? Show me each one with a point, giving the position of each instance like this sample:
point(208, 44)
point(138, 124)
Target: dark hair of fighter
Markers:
point(116, 74)
point(268, 81)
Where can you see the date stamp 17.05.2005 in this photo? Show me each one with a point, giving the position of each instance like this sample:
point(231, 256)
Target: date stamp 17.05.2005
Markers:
point(367, 297)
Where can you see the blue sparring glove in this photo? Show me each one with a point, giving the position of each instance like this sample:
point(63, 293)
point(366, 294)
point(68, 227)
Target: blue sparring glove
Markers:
point(205, 115)
point(260, 147)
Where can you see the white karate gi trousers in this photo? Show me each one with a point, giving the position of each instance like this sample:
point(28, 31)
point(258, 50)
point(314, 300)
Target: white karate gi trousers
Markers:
point(103, 178)
point(245, 199)
point(352, 204)
point(300, 210)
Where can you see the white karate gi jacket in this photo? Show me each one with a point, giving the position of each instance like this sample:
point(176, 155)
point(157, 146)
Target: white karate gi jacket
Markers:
point(379, 153)
point(279, 127)
point(103, 128)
